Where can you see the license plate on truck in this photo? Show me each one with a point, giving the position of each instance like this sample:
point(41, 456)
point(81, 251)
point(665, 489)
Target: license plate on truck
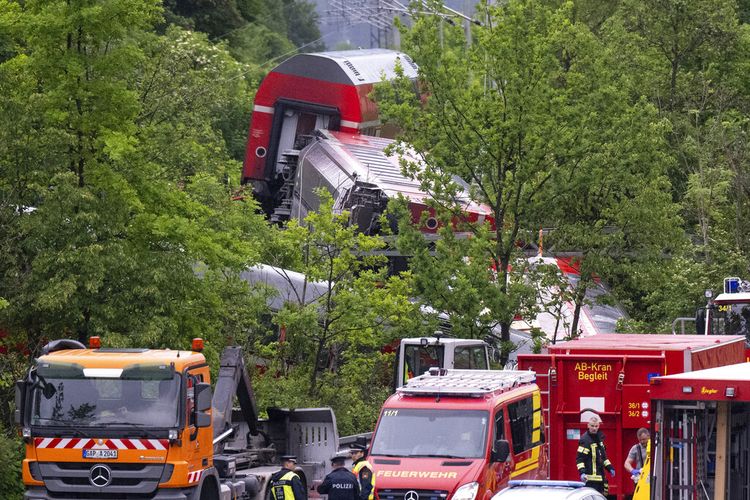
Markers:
point(100, 454)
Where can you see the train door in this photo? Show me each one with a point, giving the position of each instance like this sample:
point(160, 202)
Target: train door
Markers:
point(292, 122)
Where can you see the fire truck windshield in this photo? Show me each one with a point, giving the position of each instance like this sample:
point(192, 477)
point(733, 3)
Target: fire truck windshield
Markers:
point(67, 395)
point(732, 319)
point(431, 433)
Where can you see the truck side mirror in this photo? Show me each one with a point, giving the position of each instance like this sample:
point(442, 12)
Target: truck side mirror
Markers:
point(202, 419)
point(20, 397)
point(500, 451)
point(203, 396)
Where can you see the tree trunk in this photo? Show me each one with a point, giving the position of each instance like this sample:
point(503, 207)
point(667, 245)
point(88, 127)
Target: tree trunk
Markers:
point(504, 339)
point(314, 375)
point(580, 296)
point(83, 328)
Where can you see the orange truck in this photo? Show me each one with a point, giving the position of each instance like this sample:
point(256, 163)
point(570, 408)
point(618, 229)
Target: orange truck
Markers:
point(459, 435)
point(146, 424)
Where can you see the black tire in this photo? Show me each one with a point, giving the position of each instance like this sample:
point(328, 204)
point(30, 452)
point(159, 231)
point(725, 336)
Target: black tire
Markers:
point(209, 491)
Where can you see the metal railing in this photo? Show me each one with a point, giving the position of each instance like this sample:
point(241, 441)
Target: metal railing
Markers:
point(681, 322)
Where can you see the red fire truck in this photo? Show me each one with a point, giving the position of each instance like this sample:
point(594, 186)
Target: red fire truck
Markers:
point(726, 314)
point(609, 374)
point(701, 435)
point(459, 434)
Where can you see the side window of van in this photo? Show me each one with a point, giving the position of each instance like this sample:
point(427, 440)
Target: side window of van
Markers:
point(499, 425)
point(521, 416)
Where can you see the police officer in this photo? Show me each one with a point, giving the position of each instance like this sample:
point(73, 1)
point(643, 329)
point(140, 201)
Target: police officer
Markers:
point(286, 484)
point(363, 470)
point(591, 459)
point(340, 483)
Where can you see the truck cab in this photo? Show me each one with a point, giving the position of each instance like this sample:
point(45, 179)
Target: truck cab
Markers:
point(459, 435)
point(417, 355)
point(729, 312)
point(115, 422)
point(112, 423)
point(726, 314)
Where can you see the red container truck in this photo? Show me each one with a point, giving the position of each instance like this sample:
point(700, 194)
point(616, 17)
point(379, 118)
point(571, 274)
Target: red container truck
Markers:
point(609, 374)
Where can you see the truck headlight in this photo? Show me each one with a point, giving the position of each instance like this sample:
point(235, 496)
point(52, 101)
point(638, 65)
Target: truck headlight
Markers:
point(467, 491)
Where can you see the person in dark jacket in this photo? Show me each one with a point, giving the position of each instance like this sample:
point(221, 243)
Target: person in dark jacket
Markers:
point(286, 484)
point(592, 460)
point(340, 483)
point(363, 470)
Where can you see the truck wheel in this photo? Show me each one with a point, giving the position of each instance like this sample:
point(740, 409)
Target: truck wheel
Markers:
point(208, 491)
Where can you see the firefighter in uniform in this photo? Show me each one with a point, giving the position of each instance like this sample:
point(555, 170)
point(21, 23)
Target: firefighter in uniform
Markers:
point(340, 483)
point(591, 459)
point(363, 471)
point(286, 484)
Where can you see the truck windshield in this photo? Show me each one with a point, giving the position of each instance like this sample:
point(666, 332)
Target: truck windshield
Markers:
point(431, 433)
point(732, 319)
point(138, 397)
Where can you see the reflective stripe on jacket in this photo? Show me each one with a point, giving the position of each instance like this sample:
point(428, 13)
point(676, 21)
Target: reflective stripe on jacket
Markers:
point(364, 488)
point(281, 488)
point(591, 458)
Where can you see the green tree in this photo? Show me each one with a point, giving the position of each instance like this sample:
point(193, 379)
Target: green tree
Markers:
point(215, 17)
point(351, 308)
point(690, 60)
point(620, 209)
point(303, 25)
point(683, 36)
point(257, 30)
point(338, 322)
point(523, 115)
point(454, 277)
point(106, 232)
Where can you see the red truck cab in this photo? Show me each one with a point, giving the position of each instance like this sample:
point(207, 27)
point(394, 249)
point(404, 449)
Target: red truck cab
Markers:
point(458, 435)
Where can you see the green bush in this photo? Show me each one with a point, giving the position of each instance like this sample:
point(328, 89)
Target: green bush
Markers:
point(11, 456)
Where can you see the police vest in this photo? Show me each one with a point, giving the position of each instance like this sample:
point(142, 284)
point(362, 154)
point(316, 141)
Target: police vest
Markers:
point(358, 467)
point(281, 489)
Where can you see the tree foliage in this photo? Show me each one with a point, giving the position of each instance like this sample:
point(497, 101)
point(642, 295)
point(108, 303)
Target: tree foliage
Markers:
point(336, 326)
point(533, 117)
point(257, 30)
point(116, 179)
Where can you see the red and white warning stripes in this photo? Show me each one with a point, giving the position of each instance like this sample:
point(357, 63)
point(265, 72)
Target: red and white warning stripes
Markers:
point(101, 444)
point(194, 477)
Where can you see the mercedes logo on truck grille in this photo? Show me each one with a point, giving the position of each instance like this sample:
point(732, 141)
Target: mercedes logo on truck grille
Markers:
point(411, 495)
point(100, 475)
